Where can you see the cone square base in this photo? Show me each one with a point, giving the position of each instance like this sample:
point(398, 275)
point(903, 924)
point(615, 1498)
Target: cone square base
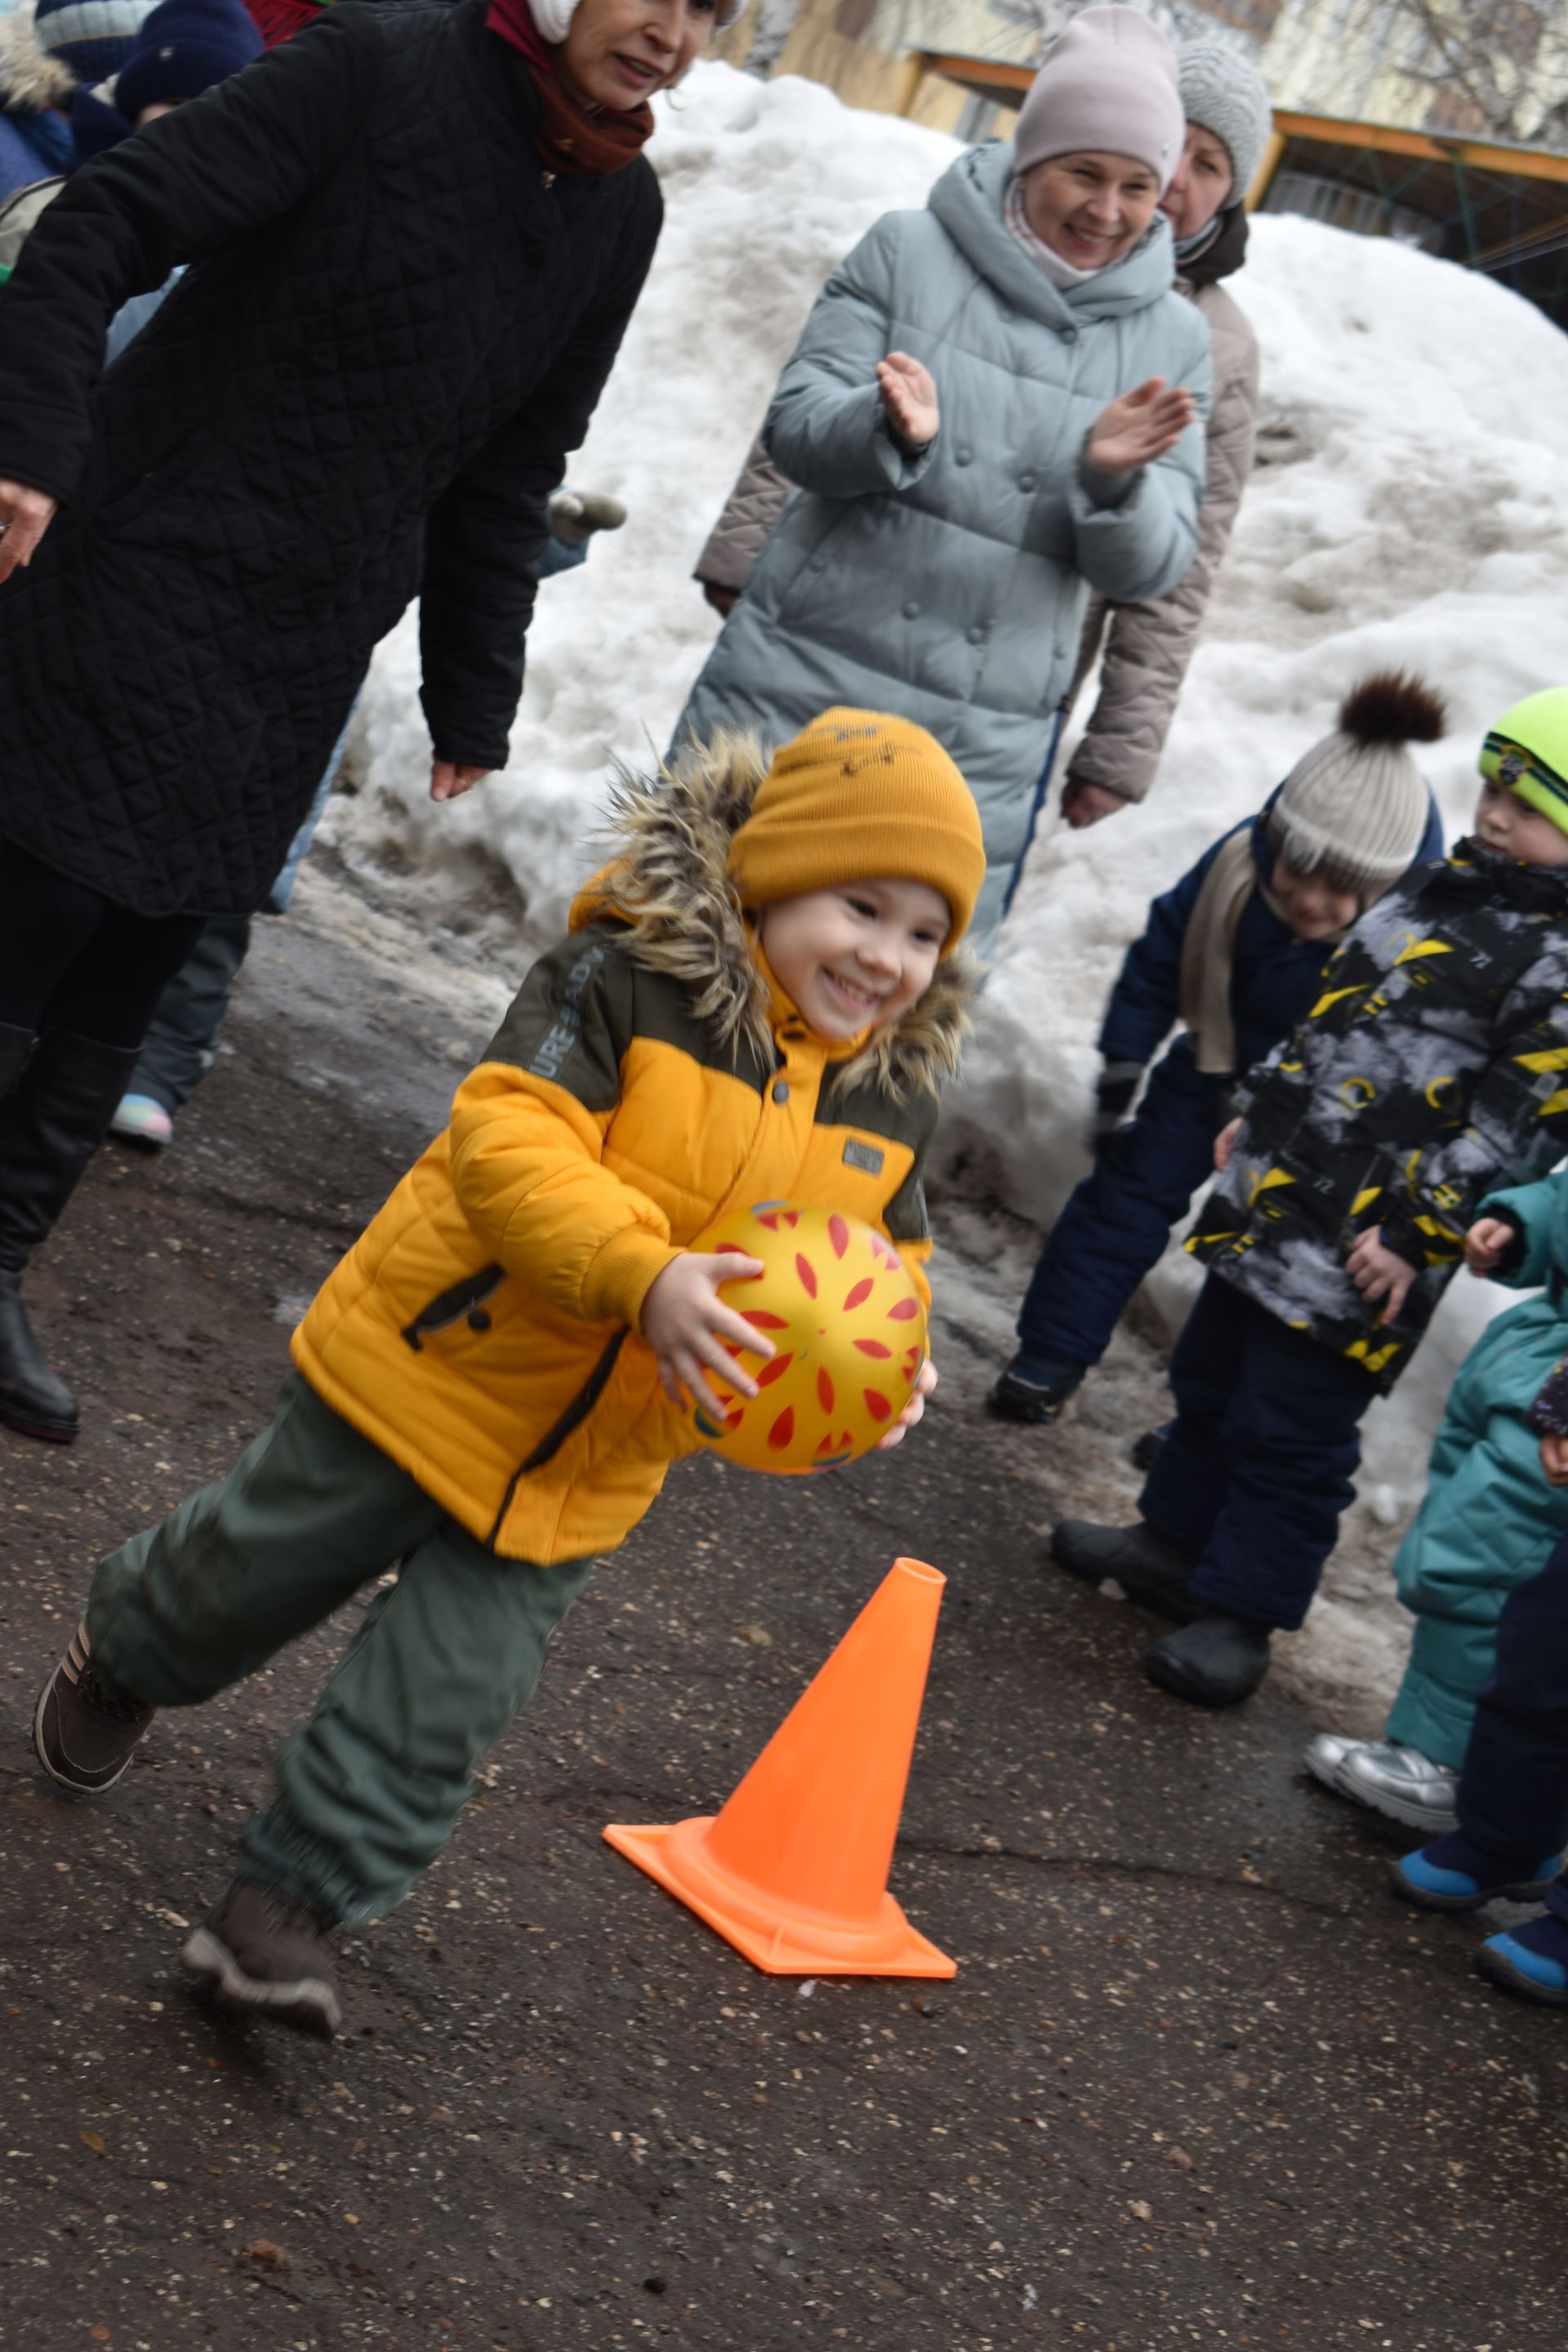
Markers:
point(788, 1949)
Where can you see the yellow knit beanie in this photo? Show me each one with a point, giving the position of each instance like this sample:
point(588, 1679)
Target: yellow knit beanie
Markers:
point(858, 796)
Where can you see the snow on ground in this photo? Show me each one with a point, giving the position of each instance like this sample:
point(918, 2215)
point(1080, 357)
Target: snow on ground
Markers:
point(1411, 505)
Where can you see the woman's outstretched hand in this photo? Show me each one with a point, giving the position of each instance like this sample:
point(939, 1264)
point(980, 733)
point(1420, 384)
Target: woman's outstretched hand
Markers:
point(24, 515)
point(448, 779)
point(908, 396)
point(1140, 426)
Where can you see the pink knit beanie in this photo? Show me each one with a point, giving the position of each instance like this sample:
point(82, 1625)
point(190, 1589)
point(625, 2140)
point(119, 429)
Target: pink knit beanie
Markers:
point(1108, 85)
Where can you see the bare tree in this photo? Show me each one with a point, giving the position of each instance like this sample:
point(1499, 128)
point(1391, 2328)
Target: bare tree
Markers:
point(1489, 67)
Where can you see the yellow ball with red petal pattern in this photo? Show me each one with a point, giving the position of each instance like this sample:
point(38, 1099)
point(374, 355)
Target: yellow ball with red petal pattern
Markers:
point(848, 1327)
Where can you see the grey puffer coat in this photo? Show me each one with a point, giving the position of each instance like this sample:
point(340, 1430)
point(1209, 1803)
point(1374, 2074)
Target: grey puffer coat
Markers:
point(1147, 646)
point(950, 586)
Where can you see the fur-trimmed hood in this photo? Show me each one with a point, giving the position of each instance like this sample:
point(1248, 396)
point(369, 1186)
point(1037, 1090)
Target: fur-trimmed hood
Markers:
point(31, 77)
point(668, 880)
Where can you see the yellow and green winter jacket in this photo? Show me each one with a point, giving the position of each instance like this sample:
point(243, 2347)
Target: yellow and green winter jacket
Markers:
point(651, 1074)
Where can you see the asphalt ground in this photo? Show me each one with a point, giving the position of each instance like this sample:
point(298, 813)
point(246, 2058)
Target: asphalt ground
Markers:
point(1199, 2078)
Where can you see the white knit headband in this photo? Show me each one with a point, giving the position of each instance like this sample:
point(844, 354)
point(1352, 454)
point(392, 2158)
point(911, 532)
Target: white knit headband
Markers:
point(553, 17)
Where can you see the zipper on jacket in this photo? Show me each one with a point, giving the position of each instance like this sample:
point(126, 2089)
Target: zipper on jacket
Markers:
point(454, 1304)
point(577, 1411)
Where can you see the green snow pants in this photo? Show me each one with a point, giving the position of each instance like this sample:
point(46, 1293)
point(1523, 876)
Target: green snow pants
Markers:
point(1487, 1522)
point(369, 1789)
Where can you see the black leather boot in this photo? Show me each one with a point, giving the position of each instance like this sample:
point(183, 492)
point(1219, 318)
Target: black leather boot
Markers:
point(51, 1123)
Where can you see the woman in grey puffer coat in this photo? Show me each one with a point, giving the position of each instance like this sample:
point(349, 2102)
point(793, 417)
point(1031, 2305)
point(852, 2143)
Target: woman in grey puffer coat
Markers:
point(970, 419)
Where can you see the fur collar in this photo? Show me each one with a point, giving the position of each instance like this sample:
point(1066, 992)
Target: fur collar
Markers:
point(671, 835)
point(31, 77)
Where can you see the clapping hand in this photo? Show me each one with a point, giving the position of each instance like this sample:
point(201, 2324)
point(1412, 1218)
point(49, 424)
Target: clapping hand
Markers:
point(1140, 426)
point(908, 396)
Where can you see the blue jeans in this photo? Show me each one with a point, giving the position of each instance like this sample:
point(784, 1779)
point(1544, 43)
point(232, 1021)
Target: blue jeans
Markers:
point(1117, 1223)
point(1260, 1460)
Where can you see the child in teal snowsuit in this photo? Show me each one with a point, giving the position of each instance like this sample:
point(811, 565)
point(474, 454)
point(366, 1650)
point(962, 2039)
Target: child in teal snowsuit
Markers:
point(1489, 1520)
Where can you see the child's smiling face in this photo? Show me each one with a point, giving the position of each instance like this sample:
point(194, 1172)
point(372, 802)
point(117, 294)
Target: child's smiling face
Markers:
point(858, 956)
point(1511, 826)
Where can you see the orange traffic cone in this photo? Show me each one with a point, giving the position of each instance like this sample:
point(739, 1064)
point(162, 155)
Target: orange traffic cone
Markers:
point(794, 1869)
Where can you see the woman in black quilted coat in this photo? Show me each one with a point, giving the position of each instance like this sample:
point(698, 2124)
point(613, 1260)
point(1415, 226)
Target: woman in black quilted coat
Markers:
point(415, 236)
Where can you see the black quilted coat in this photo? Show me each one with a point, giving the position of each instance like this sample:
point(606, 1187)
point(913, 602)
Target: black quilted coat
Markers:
point(394, 328)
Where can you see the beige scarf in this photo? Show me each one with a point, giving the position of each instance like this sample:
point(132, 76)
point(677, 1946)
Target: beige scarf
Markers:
point(1208, 951)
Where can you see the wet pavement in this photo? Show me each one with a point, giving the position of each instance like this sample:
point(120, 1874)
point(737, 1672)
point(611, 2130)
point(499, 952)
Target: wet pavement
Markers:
point(1199, 2078)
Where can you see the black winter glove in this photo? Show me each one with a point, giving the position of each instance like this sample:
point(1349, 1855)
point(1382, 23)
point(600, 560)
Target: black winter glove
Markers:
point(1118, 1082)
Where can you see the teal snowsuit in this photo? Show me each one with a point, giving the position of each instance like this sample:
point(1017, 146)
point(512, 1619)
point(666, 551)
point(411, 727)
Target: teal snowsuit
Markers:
point(1488, 1519)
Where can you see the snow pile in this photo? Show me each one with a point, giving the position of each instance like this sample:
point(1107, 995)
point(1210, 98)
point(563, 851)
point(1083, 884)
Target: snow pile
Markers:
point(1411, 507)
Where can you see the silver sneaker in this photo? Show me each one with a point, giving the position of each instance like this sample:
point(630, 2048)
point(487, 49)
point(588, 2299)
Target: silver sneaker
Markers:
point(1402, 1783)
point(1326, 1754)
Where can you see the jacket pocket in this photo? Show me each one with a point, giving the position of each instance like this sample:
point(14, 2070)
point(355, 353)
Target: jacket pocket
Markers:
point(464, 1302)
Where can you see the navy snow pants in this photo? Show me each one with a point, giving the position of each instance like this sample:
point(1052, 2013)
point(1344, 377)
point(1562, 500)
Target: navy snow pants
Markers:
point(1513, 1789)
point(1259, 1462)
point(1117, 1223)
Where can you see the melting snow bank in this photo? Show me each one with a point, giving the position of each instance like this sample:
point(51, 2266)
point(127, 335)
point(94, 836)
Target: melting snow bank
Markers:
point(1411, 505)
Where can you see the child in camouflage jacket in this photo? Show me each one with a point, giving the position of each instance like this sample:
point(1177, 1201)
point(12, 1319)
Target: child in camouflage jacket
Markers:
point(1428, 1073)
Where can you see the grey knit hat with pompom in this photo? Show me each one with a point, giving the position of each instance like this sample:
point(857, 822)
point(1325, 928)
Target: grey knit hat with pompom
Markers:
point(1223, 92)
point(1355, 807)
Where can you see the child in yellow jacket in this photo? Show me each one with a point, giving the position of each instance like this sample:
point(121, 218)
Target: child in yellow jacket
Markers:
point(757, 1000)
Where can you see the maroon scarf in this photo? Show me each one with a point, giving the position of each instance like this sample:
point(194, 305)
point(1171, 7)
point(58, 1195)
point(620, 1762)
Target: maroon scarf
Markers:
point(569, 138)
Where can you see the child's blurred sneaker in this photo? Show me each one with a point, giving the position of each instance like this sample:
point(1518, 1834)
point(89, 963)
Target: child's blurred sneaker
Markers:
point(1326, 1753)
point(1531, 1961)
point(1452, 1874)
point(576, 515)
point(84, 1732)
point(261, 1949)
point(1033, 1390)
point(1401, 1782)
point(143, 1120)
point(1145, 1451)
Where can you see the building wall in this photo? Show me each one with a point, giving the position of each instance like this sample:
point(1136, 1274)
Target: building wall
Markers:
point(1362, 60)
point(862, 48)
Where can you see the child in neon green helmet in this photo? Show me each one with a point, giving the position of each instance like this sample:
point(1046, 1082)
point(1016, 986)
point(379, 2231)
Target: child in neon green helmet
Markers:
point(1492, 1512)
point(1431, 1070)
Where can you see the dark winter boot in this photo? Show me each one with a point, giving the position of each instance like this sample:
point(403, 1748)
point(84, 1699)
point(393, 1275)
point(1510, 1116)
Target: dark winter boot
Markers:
point(1033, 1390)
point(1214, 1661)
point(264, 1950)
point(1150, 1570)
point(49, 1129)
